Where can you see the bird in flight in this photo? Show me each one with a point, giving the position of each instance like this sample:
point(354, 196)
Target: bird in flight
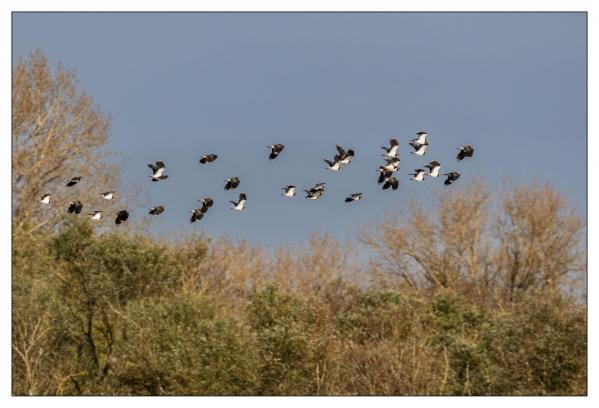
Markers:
point(451, 177)
point(353, 197)
point(315, 192)
point(158, 171)
point(75, 207)
point(392, 150)
point(121, 216)
point(45, 199)
point(156, 210)
point(465, 151)
point(418, 175)
point(344, 157)
point(208, 158)
point(96, 215)
point(232, 183)
point(433, 168)
point(73, 181)
point(289, 191)
point(109, 195)
point(275, 150)
point(240, 204)
point(206, 203)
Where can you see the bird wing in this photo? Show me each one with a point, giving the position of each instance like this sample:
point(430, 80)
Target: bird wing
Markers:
point(340, 150)
point(415, 145)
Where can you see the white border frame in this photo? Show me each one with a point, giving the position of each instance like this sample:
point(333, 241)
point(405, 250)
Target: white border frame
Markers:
point(8, 6)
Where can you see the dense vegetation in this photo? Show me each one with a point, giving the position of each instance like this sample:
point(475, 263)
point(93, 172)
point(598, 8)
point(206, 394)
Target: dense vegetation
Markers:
point(484, 298)
point(119, 313)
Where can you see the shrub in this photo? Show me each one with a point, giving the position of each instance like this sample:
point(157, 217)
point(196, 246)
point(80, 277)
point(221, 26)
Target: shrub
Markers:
point(184, 345)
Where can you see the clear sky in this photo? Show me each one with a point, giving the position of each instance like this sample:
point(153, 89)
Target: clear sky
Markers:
point(181, 85)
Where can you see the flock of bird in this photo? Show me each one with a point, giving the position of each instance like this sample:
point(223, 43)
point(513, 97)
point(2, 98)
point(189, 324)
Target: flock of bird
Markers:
point(342, 158)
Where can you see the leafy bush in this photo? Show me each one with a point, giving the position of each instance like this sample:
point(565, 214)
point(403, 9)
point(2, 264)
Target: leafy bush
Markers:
point(184, 345)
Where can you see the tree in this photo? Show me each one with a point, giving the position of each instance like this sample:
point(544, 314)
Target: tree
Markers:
point(540, 241)
point(444, 247)
point(57, 133)
point(531, 241)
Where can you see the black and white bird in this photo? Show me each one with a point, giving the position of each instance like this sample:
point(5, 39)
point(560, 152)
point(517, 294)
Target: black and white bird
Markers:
point(109, 195)
point(206, 203)
point(45, 199)
point(158, 171)
point(418, 175)
point(73, 181)
point(232, 183)
point(343, 156)
point(419, 149)
point(353, 197)
point(196, 215)
point(433, 168)
point(392, 182)
point(208, 158)
point(275, 150)
point(392, 150)
point(315, 192)
point(333, 165)
point(96, 215)
point(451, 177)
point(121, 216)
point(240, 204)
point(385, 175)
point(421, 139)
point(75, 207)
point(289, 191)
point(391, 165)
point(465, 151)
point(156, 210)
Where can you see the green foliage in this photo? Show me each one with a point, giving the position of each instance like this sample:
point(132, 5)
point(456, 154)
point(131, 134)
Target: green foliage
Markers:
point(281, 325)
point(538, 347)
point(117, 314)
point(184, 345)
point(378, 315)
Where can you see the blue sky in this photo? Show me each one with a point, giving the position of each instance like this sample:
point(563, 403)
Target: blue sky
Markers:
point(180, 85)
